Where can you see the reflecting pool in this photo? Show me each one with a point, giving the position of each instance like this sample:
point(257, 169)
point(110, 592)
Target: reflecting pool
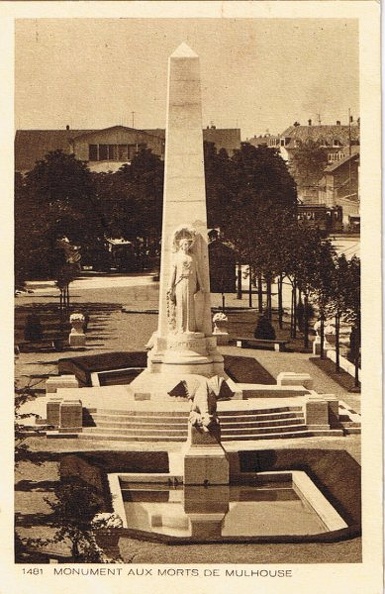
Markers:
point(272, 504)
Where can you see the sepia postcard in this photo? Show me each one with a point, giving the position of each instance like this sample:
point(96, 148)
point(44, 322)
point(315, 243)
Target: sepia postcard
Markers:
point(191, 296)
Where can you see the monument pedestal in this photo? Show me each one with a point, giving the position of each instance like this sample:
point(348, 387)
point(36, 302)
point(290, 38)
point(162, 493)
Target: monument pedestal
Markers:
point(204, 459)
point(186, 353)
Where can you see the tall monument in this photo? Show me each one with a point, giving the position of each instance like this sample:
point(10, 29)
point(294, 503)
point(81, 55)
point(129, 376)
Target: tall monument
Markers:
point(184, 341)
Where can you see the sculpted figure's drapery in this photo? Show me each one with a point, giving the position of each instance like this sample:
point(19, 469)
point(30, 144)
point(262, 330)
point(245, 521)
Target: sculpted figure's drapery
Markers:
point(186, 282)
point(203, 411)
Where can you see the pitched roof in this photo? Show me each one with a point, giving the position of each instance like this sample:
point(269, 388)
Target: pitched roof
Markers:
point(325, 134)
point(337, 164)
point(33, 145)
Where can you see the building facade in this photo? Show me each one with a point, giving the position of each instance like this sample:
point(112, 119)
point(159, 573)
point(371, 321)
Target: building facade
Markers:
point(335, 139)
point(107, 149)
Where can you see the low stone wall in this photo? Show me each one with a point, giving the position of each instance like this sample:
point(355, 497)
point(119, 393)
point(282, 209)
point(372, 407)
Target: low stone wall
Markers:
point(344, 363)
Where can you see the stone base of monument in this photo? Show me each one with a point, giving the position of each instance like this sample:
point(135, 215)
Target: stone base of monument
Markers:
point(186, 353)
point(204, 459)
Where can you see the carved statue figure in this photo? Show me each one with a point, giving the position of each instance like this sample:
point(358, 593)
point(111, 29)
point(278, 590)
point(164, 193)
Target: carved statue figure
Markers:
point(185, 283)
point(203, 411)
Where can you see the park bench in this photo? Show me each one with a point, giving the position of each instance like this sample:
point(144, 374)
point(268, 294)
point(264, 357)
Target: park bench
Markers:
point(250, 341)
point(46, 345)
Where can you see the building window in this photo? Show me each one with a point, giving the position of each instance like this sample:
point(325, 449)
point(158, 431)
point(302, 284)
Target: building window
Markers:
point(112, 152)
point(131, 151)
point(121, 153)
point(103, 152)
point(93, 152)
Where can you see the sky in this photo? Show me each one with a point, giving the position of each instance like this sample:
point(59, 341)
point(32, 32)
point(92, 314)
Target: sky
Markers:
point(260, 75)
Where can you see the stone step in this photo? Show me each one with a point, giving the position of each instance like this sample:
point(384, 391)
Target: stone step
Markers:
point(184, 413)
point(155, 420)
point(251, 436)
point(260, 417)
point(278, 410)
point(326, 432)
point(137, 418)
point(260, 430)
point(145, 432)
point(139, 413)
point(161, 416)
point(352, 430)
point(256, 423)
point(303, 432)
point(181, 425)
point(167, 432)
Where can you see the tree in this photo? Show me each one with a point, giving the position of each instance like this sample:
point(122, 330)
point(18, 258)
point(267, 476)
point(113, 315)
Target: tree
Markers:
point(308, 162)
point(309, 265)
point(76, 504)
point(32, 250)
point(337, 298)
point(322, 283)
point(221, 185)
point(352, 309)
point(23, 394)
point(263, 194)
point(56, 198)
point(143, 183)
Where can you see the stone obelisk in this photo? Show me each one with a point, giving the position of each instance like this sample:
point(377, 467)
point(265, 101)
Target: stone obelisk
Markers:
point(184, 342)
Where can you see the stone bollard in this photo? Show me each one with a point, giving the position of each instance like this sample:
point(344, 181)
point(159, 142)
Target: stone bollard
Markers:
point(53, 412)
point(317, 413)
point(333, 408)
point(71, 415)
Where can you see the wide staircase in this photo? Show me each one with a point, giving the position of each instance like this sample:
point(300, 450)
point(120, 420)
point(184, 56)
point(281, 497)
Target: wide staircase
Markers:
point(171, 426)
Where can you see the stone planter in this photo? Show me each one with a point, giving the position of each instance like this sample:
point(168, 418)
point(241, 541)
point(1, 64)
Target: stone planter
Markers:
point(107, 538)
point(220, 331)
point(77, 338)
point(220, 327)
point(77, 327)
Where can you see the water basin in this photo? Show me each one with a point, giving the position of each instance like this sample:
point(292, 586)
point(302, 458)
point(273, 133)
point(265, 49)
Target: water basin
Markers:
point(269, 504)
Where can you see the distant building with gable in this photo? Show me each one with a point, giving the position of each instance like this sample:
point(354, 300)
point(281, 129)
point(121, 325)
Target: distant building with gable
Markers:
point(107, 149)
point(340, 186)
point(269, 140)
point(335, 139)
